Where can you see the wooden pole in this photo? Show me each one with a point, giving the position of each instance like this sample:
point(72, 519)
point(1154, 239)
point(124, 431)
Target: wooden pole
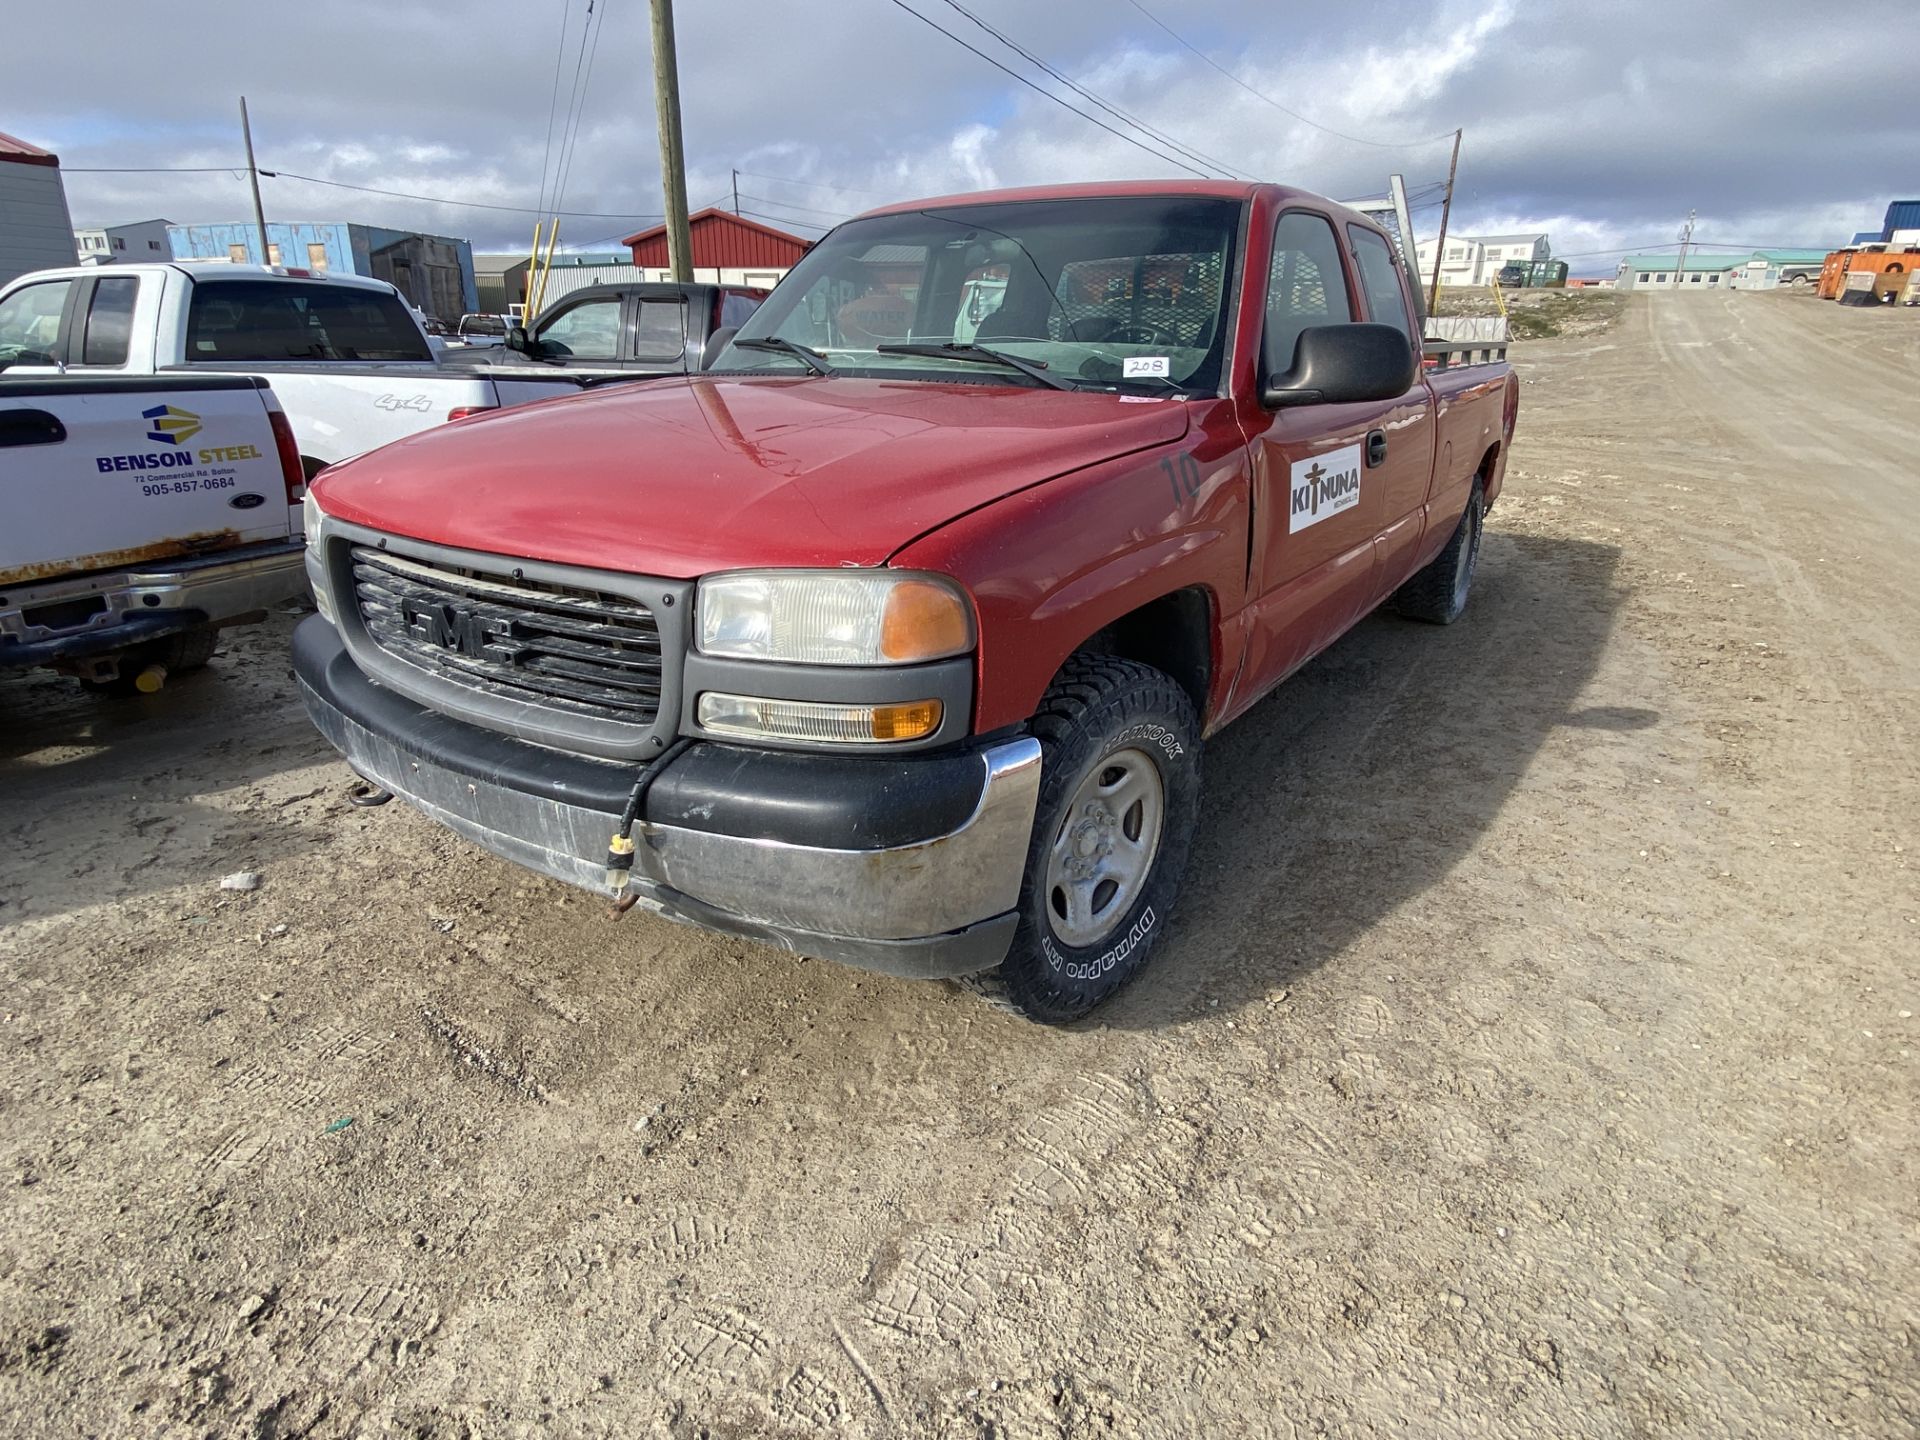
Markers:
point(673, 159)
point(1446, 212)
point(253, 174)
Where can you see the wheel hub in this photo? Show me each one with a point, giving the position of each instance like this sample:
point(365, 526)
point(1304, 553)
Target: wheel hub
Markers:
point(1104, 851)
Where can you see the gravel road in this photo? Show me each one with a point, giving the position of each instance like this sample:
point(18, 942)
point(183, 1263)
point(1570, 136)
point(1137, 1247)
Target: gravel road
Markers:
point(1531, 1054)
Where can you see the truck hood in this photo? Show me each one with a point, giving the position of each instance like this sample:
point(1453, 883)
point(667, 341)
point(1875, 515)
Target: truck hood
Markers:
point(681, 477)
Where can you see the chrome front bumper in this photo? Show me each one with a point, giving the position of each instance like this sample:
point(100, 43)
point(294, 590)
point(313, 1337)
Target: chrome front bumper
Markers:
point(938, 905)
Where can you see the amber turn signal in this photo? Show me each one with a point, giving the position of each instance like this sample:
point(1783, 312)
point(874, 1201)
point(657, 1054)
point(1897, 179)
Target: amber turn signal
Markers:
point(924, 621)
point(906, 722)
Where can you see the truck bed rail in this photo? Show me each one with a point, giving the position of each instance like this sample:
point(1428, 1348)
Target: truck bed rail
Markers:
point(1450, 354)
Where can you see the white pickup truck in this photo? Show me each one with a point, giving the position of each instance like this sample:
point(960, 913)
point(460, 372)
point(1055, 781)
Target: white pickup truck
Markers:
point(138, 516)
point(345, 355)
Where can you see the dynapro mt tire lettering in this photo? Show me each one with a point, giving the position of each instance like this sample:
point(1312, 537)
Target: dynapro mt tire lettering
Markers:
point(1103, 717)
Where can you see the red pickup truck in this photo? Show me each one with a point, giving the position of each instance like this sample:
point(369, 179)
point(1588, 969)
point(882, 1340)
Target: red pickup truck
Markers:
point(894, 636)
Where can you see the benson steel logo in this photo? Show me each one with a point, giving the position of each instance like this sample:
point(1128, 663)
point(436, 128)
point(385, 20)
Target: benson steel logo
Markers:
point(1324, 485)
point(172, 428)
point(171, 424)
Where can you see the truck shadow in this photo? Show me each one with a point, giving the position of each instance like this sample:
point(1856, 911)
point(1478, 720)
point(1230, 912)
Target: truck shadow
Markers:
point(1366, 778)
point(113, 798)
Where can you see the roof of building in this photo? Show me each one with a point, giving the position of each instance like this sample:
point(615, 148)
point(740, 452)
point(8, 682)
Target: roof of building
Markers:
point(1694, 262)
point(712, 213)
point(124, 225)
point(1901, 215)
point(1531, 235)
point(1800, 256)
point(21, 153)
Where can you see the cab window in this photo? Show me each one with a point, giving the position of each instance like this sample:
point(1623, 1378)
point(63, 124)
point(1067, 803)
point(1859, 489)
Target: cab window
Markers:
point(1380, 280)
point(30, 323)
point(589, 331)
point(1306, 285)
point(660, 330)
point(109, 331)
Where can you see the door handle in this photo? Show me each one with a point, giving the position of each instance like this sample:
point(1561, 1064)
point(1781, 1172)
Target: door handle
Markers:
point(1376, 448)
point(30, 427)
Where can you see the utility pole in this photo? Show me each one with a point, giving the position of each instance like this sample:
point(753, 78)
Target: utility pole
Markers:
point(1686, 239)
point(253, 174)
point(736, 192)
point(1440, 245)
point(673, 159)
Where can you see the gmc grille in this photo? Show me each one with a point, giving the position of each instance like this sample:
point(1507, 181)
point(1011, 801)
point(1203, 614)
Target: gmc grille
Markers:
point(572, 649)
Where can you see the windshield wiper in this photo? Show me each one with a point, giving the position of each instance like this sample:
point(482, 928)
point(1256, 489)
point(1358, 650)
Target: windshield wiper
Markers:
point(956, 350)
point(779, 345)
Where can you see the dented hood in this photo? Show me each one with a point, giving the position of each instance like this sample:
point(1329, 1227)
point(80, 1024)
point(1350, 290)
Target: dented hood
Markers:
point(685, 476)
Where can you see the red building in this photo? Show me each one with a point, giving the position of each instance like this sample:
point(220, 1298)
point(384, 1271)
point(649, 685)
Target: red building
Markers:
point(728, 249)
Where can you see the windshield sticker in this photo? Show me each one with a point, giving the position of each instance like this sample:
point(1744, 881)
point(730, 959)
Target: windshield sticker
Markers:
point(1135, 366)
point(1324, 485)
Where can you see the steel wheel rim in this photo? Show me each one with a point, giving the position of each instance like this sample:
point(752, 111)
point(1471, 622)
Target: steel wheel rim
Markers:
point(1105, 847)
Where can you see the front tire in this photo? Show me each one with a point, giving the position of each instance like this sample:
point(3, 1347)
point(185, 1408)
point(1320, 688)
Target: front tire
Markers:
point(1119, 797)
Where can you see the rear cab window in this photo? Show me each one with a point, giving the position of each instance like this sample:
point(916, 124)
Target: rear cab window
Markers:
point(1380, 280)
point(108, 332)
point(265, 320)
point(660, 329)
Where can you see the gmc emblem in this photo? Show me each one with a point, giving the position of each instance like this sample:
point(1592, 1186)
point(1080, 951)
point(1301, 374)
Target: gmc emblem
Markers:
point(448, 627)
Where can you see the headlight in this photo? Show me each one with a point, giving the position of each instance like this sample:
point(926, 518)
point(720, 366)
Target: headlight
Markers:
point(833, 617)
point(310, 516)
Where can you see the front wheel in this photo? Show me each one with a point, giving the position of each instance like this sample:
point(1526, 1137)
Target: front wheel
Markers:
point(1119, 795)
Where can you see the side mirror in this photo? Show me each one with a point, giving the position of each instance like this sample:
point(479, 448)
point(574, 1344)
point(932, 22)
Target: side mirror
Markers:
point(716, 342)
point(1342, 364)
point(517, 339)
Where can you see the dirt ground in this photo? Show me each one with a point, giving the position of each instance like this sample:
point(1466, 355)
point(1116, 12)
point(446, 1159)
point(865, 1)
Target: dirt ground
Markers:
point(1531, 1055)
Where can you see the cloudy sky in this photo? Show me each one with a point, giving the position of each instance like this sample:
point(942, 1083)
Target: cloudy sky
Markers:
point(1600, 123)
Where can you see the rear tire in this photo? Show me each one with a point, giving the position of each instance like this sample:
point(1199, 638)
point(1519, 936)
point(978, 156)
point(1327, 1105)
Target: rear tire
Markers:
point(1119, 796)
point(1438, 592)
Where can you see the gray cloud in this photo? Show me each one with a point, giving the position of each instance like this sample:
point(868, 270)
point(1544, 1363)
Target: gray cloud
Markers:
point(1604, 123)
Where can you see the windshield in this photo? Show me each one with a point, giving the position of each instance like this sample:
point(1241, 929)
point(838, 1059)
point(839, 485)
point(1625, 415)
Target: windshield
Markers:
point(1105, 294)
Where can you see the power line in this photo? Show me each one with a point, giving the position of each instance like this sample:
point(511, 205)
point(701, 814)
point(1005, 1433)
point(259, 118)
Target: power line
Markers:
point(553, 101)
point(577, 105)
point(151, 169)
point(466, 204)
point(789, 205)
point(786, 220)
point(1039, 90)
point(1123, 116)
point(1357, 140)
point(817, 185)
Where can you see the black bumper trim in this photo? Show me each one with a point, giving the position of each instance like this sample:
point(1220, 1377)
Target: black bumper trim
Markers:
point(823, 801)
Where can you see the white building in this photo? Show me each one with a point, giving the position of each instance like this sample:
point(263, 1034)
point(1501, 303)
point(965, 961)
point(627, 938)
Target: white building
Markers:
point(1476, 259)
point(36, 232)
point(123, 244)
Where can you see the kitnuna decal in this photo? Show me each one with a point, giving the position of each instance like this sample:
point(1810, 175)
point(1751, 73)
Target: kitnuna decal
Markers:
point(1323, 485)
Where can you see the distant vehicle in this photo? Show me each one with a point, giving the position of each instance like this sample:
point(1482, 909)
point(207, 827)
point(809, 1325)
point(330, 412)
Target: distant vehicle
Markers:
point(434, 326)
point(137, 517)
point(649, 327)
point(481, 331)
point(1512, 275)
point(1801, 277)
point(348, 358)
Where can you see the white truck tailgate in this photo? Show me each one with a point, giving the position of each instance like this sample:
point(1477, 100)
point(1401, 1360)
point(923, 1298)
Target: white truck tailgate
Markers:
point(96, 474)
